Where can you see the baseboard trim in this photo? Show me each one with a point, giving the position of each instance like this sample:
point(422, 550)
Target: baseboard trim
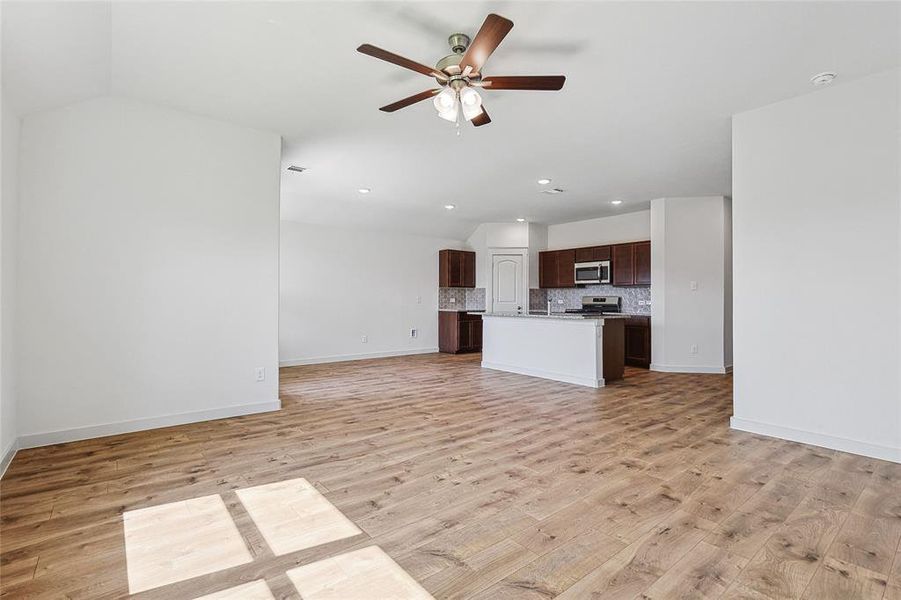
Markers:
point(34, 440)
point(318, 360)
point(817, 439)
point(8, 457)
point(586, 381)
point(714, 370)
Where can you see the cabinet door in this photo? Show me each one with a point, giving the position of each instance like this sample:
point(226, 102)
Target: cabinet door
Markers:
point(454, 270)
point(468, 267)
point(476, 335)
point(638, 344)
point(465, 336)
point(547, 269)
point(641, 252)
point(444, 268)
point(585, 254)
point(601, 253)
point(566, 268)
point(623, 267)
point(448, 332)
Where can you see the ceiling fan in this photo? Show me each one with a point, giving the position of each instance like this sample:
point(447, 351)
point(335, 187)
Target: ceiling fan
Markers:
point(460, 73)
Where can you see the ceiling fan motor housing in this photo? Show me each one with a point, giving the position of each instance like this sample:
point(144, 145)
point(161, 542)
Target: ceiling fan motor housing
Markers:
point(458, 42)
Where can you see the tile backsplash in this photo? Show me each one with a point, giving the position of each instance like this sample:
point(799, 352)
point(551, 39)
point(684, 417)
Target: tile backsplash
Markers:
point(463, 298)
point(572, 297)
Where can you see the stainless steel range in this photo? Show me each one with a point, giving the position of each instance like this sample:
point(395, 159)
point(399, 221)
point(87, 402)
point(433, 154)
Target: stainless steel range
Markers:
point(596, 305)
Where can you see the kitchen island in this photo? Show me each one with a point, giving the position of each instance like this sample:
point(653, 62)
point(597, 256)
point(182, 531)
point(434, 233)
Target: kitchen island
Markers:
point(579, 349)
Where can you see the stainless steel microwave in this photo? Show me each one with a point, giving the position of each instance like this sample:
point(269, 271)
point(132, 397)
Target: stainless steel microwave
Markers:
point(593, 272)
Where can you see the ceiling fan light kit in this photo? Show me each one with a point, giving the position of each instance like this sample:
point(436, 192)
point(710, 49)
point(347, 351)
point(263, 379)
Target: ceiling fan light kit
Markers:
point(460, 73)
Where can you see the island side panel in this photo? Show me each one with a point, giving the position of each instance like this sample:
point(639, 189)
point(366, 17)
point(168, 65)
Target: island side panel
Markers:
point(614, 349)
point(567, 350)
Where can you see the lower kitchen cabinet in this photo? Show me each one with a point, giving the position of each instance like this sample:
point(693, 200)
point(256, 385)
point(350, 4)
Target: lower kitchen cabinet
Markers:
point(459, 332)
point(638, 342)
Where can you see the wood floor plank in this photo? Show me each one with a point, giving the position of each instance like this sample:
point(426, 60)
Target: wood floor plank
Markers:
point(838, 580)
point(702, 574)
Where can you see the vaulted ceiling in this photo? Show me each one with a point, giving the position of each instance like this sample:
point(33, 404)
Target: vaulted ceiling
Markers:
point(645, 111)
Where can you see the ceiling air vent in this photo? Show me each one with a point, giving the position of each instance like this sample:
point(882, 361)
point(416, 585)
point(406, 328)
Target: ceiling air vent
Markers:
point(552, 191)
point(296, 168)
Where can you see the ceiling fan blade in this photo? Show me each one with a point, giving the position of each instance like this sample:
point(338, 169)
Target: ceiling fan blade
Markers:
point(400, 61)
point(489, 37)
point(481, 119)
point(410, 100)
point(524, 82)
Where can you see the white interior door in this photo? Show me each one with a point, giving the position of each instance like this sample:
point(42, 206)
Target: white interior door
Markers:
point(506, 283)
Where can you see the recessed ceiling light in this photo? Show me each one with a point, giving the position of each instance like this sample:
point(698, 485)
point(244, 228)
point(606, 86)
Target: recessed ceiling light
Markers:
point(364, 190)
point(520, 220)
point(450, 206)
point(824, 78)
point(543, 181)
point(552, 191)
point(616, 202)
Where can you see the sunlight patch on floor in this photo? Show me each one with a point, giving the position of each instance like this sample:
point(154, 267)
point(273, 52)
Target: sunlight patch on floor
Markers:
point(367, 574)
point(172, 542)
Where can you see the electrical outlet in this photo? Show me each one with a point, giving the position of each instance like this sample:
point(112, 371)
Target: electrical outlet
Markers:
point(260, 373)
point(413, 332)
point(418, 299)
point(364, 339)
point(453, 300)
point(559, 301)
point(693, 285)
point(693, 349)
point(641, 303)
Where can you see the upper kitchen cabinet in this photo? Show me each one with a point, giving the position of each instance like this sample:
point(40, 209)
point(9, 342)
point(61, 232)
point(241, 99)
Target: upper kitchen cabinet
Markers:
point(556, 268)
point(566, 268)
point(632, 264)
point(592, 254)
point(456, 268)
point(641, 255)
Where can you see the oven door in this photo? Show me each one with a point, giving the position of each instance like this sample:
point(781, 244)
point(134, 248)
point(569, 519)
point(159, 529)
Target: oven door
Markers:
point(587, 273)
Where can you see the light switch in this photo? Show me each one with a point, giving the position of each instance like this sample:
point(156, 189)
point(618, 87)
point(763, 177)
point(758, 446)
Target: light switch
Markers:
point(694, 286)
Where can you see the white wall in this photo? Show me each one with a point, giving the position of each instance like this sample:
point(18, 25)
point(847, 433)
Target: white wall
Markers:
point(524, 239)
point(537, 243)
point(629, 227)
point(816, 248)
point(689, 243)
point(9, 131)
point(338, 285)
point(148, 270)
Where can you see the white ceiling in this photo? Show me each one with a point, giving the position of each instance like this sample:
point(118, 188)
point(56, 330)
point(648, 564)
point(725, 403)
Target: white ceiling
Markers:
point(644, 113)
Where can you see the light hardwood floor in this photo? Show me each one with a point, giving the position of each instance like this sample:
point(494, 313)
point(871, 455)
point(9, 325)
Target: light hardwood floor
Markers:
point(482, 485)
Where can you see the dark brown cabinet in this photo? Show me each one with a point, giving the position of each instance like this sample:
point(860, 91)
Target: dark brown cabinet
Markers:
point(556, 269)
point(631, 264)
point(592, 254)
point(459, 332)
point(456, 268)
point(547, 269)
point(641, 257)
point(638, 341)
point(566, 268)
point(622, 265)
